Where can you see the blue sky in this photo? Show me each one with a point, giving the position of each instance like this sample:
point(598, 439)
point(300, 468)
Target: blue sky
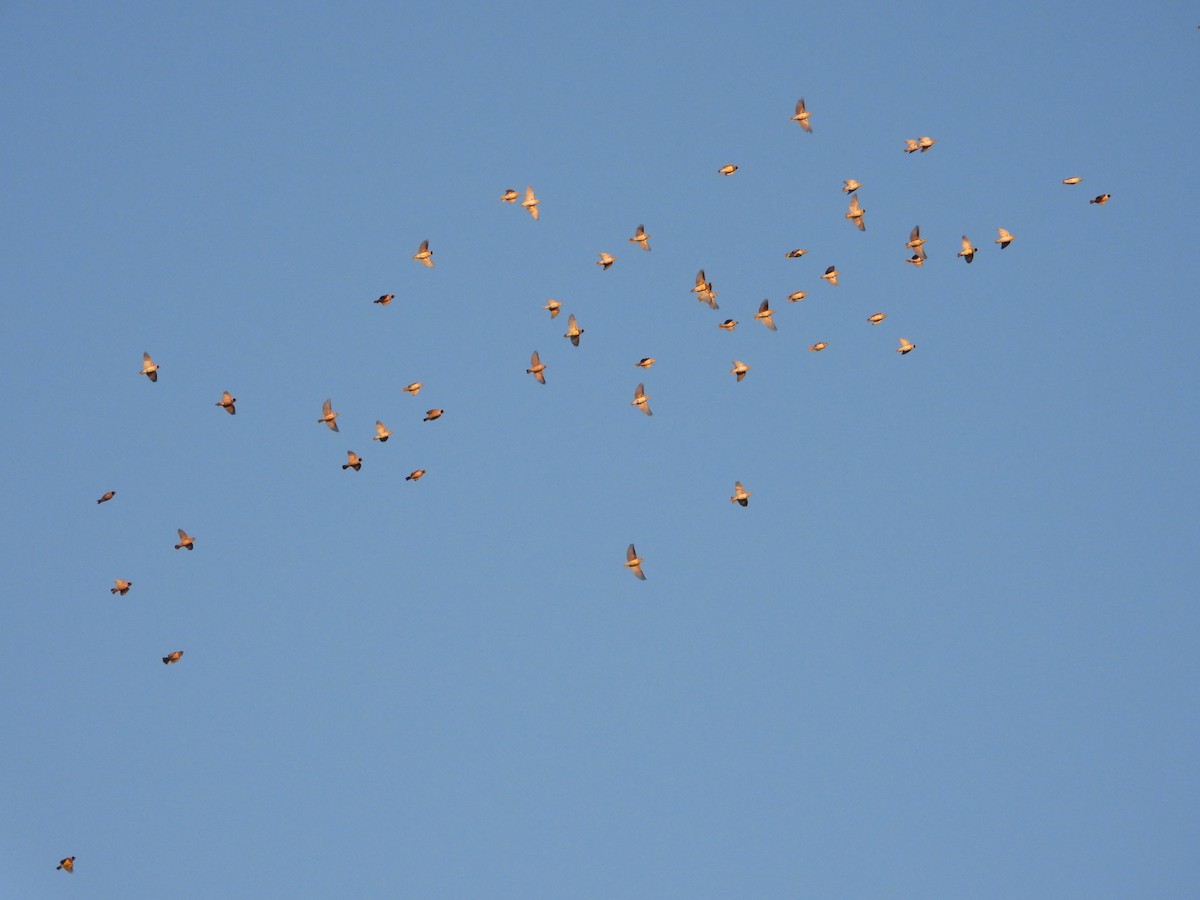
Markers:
point(947, 650)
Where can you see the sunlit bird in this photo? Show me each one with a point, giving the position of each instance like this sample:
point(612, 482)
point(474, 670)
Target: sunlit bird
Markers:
point(801, 116)
point(606, 260)
point(633, 563)
point(530, 203)
point(818, 346)
point(704, 290)
point(831, 275)
point(149, 369)
point(385, 299)
point(641, 401)
point(641, 238)
point(796, 254)
point(424, 255)
point(915, 241)
point(226, 403)
point(764, 314)
point(573, 330)
point(67, 865)
point(536, 368)
point(1075, 179)
point(911, 146)
point(328, 416)
point(186, 541)
point(172, 657)
point(855, 213)
point(727, 169)
point(906, 346)
point(553, 306)
point(122, 587)
point(876, 318)
point(645, 362)
point(1099, 201)
point(739, 369)
point(797, 296)
point(353, 461)
point(414, 389)
point(414, 475)
point(851, 186)
point(509, 196)
point(381, 432)
point(740, 494)
point(432, 414)
point(1005, 238)
point(728, 324)
point(918, 258)
point(925, 143)
point(968, 250)
point(108, 495)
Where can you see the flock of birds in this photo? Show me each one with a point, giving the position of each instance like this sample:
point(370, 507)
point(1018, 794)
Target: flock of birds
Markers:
point(702, 288)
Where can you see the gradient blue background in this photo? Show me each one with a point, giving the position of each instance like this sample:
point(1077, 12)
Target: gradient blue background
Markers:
point(949, 650)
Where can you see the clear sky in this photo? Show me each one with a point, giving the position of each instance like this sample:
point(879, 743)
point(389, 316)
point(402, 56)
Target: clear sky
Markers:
point(948, 650)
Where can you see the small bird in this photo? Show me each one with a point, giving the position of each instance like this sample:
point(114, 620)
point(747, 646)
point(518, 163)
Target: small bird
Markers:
point(226, 402)
point(797, 296)
point(876, 318)
point(1072, 180)
point(509, 196)
point(633, 563)
point(911, 146)
point(855, 213)
point(764, 315)
point(801, 116)
point(353, 461)
point(739, 369)
point(727, 170)
point(149, 369)
point(818, 346)
point(122, 587)
point(925, 143)
point(851, 186)
point(915, 241)
point(531, 203)
point(641, 401)
point(605, 261)
point(172, 657)
point(796, 254)
point(728, 324)
point(67, 865)
point(108, 495)
point(328, 416)
point(432, 414)
point(381, 432)
point(704, 290)
point(906, 346)
point(415, 475)
point(553, 306)
point(424, 255)
point(385, 299)
point(414, 389)
point(831, 275)
point(536, 368)
point(645, 362)
point(918, 258)
point(1100, 201)
point(968, 251)
point(740, 494)
point(641, 238)
point(185, 541)
point(1005, 238)
point(573, 330)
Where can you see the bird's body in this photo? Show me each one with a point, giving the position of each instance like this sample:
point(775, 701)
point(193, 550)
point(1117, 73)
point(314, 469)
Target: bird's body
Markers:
point(739, 369)
point(764, 315)
point(530, 203)
point(831, 275)
point(353, 461)
point(536, 368)
point(1075, 179)
point(876, 318)
point(381, 432)
point(414, 389)
point(633, 563)
point(605, 261)
point(850, 186)
point(796, 254)
point(509, 196)
point(1099, 201)
point(645, 362)
point(172, 657)
point(728, 324)
point(925, 143)
point(424, 255)
point(415, 475)
point(328, 416)
point(186, 541)
point(906, 346)
point(573, 330)
point(968, 250)
point(911, 146)
point(797, 296)
point(641, 238)
point(122, 587)
point(149, 369)
point(740, 496)
point(917, 259)
point(1004, 239)
point(385, 299)
point(641, 401)
point(553, 307)
point(801, 116)
point(67, 865)
point(704, 290)
point(432, 414)
point(727, 170)
point(915, 241)
point(107, 496)
point(855, 213)
point(226, 403)
point(818, 346)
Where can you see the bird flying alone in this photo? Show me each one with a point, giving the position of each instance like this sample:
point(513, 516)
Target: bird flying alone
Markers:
point(414, 475)
point(640, 400)
point(968, 251)
point(796, 254)
point(925, 143)
point(553, 306)
point(906, 346)
point(1075, 179)
point(186, 542)
point(122, 587)
point(605, 261)
point(353, 461)
point(645, 362)
point(424, 255)
point(328, 416)
point(536, 368)
point(381, 432)
point(831, 275)
point(801, 116)
point(855, 213)
point(818, 346)
point(385, 299)
point(740, 496)
point(728, 324)
point(432, 414)
point(530, 203)
point(573, 330)
point(172, 657)
point(851, 186)
point(739, 369)
point(876, 318)
point(704, 290)
point(633, 563)
point(1005, 238)
point(727, 170)
point(764, 315)
point(107, 496)
point(67, 865)
point(1099, 201)
point(149, 369)
point(641, 238)
point(414, 389)
point(226, 402)
point(797, 296)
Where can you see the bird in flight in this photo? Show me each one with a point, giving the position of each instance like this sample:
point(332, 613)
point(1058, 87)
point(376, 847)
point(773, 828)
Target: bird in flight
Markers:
point(915, 241)
point(641, 401)
point(797, 296)
point(353, 461)
point(925, 143)
point(645, 362)
point(1072, 180)
point(740, 494)
point(172, 657)
point(107, 496)
point(1005, 238)
point(414, 389)
point(968, 251)
point(800, 117)
point(728, 324)
point(226, 402)
point(727, 170)
point(553, 306)
point(122, 587)
point(381, 432)
point(641, 238)
point(328, 416)
point(1099, 201)
point(186, 542)
point(851, 186)
point(509, 196)
point(424, 255)
point(796, 254)
point(384, 299)
point(906, 346)
point(573, 330)
point(432, 414)
point(536, 368)
point(531, 203)
point(831, 275)
point(818, 346)
point(605, 261)
point(911, 146)
point(633, 563)
point(67, 865)
point(415, 475)
point(149, 369)
point(739, 369)
point(876, 318)
point(704, 290)
point(855, 213)
point(764, 315)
